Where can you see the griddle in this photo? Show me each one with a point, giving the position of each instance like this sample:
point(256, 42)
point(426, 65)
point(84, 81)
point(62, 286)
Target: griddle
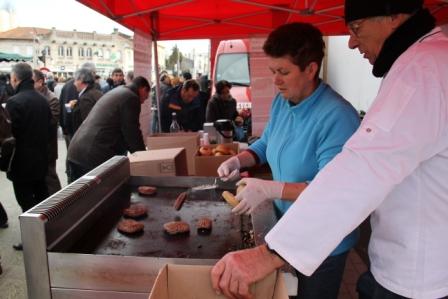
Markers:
point(227, 233)
point(72, 248)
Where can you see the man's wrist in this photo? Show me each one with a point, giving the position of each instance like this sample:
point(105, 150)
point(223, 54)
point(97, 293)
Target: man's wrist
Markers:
point(278, 259)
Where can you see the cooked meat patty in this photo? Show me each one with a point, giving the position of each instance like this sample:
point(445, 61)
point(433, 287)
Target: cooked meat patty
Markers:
point(204, 225)
point(176, 227)
point(135, 211)
point(130, 226)
point(147, 190)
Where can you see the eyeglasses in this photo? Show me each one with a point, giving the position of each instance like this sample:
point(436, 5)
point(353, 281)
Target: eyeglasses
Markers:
point(354, 27)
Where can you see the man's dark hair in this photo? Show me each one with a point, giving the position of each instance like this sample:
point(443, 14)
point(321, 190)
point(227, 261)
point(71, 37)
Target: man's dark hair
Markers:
point(23, 71)
point(163, 77)
point(302, 41)
point(117, 70)
point(220, 85)
point(187, 75)
point(38, 75)
point(191, 84)
point(139, 82)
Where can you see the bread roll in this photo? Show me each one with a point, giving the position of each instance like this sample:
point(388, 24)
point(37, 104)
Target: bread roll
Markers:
point(230, 198)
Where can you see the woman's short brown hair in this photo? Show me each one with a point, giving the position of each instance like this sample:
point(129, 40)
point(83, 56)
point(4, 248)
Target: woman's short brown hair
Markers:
point(301, 41)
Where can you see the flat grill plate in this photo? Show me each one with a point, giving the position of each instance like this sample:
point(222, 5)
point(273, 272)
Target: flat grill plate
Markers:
point(226, 235)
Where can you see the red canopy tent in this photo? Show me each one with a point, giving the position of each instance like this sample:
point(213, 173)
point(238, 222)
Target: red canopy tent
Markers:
point(228, 19)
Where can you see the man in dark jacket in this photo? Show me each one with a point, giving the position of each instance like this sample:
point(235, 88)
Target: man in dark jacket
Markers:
point(222, 105)
point(67, 99)
point(52, 179)
point(30, 119)
point(88, 96)
point(117, 80)
point(184, 101)
point(111, 128)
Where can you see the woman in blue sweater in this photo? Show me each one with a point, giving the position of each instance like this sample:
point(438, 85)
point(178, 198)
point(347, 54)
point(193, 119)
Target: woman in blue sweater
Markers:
point(308, 126)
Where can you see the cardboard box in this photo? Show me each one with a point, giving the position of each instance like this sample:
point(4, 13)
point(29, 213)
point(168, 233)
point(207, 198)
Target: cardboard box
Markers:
point(189, 141)
point(194, 282)
point(208, 165)
point(162, 162)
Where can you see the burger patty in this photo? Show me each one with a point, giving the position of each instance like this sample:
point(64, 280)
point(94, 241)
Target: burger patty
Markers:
point(176, 227)
point(147, 190)
point(135, 211)
point(130, 226)
point(204, 225)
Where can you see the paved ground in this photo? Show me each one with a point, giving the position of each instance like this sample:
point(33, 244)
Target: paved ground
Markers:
point(12, 281)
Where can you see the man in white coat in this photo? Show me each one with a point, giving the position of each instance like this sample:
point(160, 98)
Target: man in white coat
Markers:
point(394, 168)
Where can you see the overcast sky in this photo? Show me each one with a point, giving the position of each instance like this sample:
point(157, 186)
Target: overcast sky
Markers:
point(70, 14)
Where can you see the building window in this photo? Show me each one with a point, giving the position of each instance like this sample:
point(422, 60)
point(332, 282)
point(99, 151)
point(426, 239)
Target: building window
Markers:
point(69, 52)
point(107, 54)
point(47, 51)
point(81, 52)
point(89, 52)
point(61, 50)
point(100, 53)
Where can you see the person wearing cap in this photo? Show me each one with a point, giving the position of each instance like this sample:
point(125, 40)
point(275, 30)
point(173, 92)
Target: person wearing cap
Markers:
point(393, 168)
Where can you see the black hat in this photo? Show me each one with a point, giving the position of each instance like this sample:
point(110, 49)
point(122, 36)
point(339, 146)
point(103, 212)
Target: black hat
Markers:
point(360, 9)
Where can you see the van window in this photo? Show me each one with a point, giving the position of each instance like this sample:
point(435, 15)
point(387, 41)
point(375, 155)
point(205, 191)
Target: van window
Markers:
point(233, 68)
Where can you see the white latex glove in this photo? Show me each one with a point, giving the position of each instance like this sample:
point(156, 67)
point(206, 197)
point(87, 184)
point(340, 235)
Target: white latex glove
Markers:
point(229, 169)
point(255, 192)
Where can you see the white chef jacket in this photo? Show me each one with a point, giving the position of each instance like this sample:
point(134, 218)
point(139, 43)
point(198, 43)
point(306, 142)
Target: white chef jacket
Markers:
point(396, 166)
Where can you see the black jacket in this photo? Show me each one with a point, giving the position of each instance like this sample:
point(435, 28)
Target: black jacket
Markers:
point(68, 93)
point(31, 127)
point(111, 128)
point(220, 109)
point(84, 105)
point(189, 116)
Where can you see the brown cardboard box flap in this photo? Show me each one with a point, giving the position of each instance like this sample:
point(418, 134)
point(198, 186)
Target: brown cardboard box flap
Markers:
point(194, 282)
point(187, 140)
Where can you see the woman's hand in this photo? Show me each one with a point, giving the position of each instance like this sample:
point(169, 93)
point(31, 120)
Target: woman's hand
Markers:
point(255, 192)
